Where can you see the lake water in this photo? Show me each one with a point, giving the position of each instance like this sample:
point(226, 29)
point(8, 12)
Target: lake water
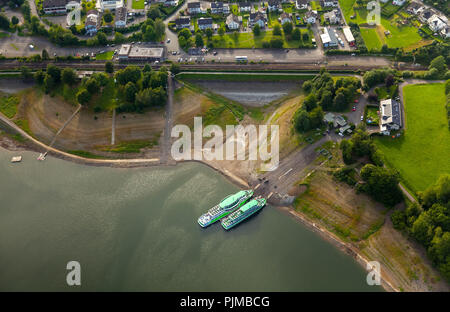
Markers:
point(136, 230)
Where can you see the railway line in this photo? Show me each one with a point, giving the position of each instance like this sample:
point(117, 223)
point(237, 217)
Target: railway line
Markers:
point(8, 65)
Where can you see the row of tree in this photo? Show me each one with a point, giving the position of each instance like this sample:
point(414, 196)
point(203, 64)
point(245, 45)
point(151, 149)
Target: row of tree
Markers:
point(141, 88)
point(428, 221)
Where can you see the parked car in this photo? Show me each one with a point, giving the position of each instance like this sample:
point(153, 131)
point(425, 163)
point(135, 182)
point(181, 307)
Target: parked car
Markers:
point(168, 40)
point(362, 117)
point(354, 108)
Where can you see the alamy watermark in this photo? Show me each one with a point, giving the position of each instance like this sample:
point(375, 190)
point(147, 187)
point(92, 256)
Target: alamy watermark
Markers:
point(374, 275)
point(73, 278)
point(74, 16)
point(234, 147)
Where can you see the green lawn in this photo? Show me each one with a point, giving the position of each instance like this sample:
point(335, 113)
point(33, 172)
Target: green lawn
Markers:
point(248, 40)
point(372, 116)
point(371, 38)
point(137, 4)
point(400, 36)
point(8, 105)
point(105, 56)
point(422, 153)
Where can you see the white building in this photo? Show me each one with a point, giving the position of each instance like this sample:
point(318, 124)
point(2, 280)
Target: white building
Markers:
point(301, 4)
point(436, 23)
point(399, 2)
point(233, 22)
point(103, 5)
point(390, 116)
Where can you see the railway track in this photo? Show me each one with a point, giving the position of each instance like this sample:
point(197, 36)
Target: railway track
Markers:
point(99, 65)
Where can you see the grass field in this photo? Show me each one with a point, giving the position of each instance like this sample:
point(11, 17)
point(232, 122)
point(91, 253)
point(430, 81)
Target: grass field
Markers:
point(248, 40)
point(422, 154)
point(105, 56)
point(371, 38)
point(8, 105)
point(138, 4)
point(405, 36)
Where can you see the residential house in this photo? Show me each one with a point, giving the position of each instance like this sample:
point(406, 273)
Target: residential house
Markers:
point(183, 22)
point(121, 17)
point(414, 8)
point(301, 4)
point(93, 22)
point(436, 23)
point(445, 32)
point(274, 5)
point(426, 14)
point(217, 7)
point(398, 2)
point(332, 17)
point(169, 3)
point(245, 7)
point(194, 8)
point(204, 23)
point(257, 18)
point(328, 3)
point(390, 116)
point(285, 18)
point(226, 8)
point(233, 22)
point(103, 5)
point(54, 6)
point(311, 16)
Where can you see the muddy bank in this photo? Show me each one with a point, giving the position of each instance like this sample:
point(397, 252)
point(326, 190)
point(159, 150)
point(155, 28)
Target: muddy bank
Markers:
point(252, 93)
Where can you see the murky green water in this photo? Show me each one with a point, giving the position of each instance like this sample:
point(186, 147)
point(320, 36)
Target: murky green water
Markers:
point(136, 229)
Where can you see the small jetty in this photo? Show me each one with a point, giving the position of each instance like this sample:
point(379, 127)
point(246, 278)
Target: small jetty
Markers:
point(16, 159)
point(42, 156)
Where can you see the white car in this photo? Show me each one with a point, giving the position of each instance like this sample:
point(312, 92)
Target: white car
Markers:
point(362, 117)
point(168, 40)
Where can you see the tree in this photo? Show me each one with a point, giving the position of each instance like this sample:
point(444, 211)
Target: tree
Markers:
point(301, 121)
point(310, 102)
point(381, 184)
point(160, 29)
point(4, 22)
point(102, 39)
point(130, 92)
point(154, 12)
point(45, 54)
point(14, 20)
point(305, 37)
point(296, 34)
point(276, 42)
point(83, 97)
point(221, 31)
point(339, 102)
point(198, 40)
point(186, 33)
point(287, 28)
point(130, 73)
point(68, 76)
point(209, 33)
point(389, 80)
point(39, 77)
point(25, 73)
point(439, 64)
point(256, 30)
point(92, 86)
point(175, 68)
point(49, 83)
point(276, 30)
point(119, 38)
point(54, 72)
point(107, 17)
point(109, 67)
point(147, 68)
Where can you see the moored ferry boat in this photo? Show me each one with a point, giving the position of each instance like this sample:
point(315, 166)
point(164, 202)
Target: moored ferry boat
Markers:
point(243, 213)
point(225, 207)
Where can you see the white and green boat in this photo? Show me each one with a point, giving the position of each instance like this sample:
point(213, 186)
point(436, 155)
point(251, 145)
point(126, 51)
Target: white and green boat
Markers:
point(243, 213)
point(225, 207)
